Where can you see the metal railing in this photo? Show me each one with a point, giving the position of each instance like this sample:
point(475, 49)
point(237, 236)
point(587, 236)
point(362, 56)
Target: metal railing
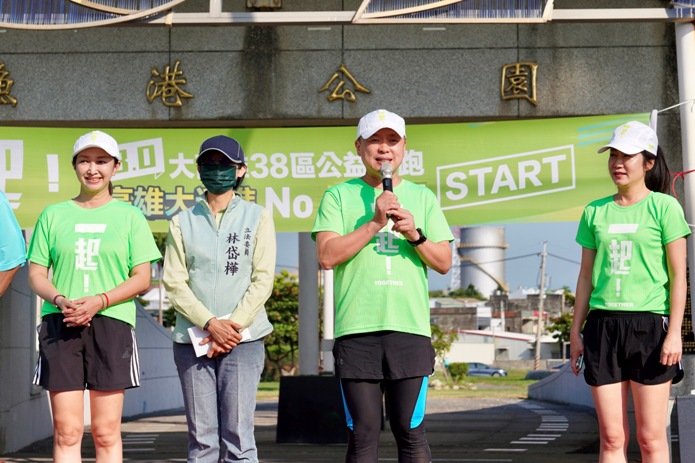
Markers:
point(72, 14)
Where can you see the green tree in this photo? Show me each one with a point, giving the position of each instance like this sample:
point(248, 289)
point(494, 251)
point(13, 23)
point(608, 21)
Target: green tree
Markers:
point(160, 240)
point(470, 291)
point(169, 317)
point(569, 297)
point(561, 329)
point(458, 371)
point(281, 346)
point(442, 342)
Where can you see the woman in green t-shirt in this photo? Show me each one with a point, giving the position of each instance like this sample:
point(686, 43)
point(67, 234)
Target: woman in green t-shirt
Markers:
point(99, 250)
point(631, 293)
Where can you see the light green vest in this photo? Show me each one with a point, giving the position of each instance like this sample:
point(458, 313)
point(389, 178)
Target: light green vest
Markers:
point(220, 261)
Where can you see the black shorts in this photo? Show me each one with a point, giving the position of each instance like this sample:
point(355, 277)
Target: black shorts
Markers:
point(100, 357)
point(622, 346)
point(383, 355)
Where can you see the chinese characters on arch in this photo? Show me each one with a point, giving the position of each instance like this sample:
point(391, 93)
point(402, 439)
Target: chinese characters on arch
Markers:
point(339, 91)
point(519, 82)
point(168, 85)
point(6, 87)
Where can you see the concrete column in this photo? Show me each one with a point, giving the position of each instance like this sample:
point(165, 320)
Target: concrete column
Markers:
point(685, 53)
point(328, 321)
point(308, 306)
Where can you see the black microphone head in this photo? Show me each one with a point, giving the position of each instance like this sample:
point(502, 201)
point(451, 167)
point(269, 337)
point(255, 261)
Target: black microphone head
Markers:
point(386, 170)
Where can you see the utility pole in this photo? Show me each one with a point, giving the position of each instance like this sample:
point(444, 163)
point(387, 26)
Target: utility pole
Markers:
point(503, 307)
point(537, 360)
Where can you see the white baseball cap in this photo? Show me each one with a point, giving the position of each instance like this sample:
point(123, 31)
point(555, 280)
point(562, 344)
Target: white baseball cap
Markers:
point(632, 138)
point(97, 139)
point(380, 119)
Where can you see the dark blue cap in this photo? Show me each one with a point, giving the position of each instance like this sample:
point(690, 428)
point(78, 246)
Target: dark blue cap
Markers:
point(225, 145)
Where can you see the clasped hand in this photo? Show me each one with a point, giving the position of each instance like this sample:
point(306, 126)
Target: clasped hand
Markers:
point(79, 312)
point(224, 336)
point(387, 206)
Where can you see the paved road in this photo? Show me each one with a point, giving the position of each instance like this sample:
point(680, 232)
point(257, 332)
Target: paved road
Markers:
point(459, 430)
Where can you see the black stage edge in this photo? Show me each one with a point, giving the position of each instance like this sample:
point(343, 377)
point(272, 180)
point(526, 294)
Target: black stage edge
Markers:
point(685, 429)
point(310, 411)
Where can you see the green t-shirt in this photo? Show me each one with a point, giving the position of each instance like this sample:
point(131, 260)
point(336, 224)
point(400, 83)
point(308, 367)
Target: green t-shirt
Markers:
point(630, 270)
point(92, 251)
point(384, 286)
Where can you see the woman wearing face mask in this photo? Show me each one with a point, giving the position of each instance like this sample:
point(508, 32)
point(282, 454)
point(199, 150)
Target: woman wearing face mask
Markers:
point(219, 270)
point(100, 251)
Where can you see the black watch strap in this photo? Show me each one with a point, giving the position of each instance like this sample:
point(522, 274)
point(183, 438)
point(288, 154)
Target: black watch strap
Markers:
point(418, 241)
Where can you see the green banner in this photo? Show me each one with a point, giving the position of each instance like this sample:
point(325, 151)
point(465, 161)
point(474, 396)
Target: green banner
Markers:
point(491, 172)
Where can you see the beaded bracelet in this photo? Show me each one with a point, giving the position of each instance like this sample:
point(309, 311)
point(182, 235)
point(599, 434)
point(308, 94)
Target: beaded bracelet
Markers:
point(55, 299)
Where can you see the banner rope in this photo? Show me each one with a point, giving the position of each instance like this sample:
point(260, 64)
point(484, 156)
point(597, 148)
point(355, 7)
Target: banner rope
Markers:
point(676, 176)
point(653, 124)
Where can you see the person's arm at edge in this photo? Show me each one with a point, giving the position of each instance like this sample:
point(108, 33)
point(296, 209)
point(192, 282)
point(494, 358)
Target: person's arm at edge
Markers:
point(6, 278)
point(12, 246)
point(262, 275)
point(676, 253)
point(581, 305)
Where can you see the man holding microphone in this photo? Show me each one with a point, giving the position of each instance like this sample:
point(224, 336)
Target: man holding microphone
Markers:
point(380, 233)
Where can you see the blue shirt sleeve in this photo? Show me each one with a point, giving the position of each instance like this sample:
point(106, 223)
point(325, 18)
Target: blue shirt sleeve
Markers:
point(12, 247)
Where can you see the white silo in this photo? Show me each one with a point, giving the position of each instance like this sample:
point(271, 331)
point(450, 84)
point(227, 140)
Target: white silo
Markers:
point(481, 252)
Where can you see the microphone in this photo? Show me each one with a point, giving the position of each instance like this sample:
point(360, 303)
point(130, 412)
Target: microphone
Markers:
point(386, 173)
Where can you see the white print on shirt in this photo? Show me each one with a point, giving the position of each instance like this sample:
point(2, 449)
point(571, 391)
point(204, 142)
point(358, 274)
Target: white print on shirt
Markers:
point(87, 250)
point(388, 283)
point(621, 252)
point(385, 244)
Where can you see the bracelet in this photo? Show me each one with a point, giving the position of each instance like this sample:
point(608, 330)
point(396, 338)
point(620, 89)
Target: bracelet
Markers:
point(103, 301)
point(55, 299)
point(108, 303)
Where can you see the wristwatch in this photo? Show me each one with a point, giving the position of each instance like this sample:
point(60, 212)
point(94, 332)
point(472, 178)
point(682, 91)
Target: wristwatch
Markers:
point(418, 241)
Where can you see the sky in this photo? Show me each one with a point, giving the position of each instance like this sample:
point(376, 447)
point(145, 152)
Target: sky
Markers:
point(562, 264)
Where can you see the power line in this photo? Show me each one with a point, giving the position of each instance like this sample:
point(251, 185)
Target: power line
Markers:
point(536, 254)
point(565, 259)
point(286, 266)
point(508, 258)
